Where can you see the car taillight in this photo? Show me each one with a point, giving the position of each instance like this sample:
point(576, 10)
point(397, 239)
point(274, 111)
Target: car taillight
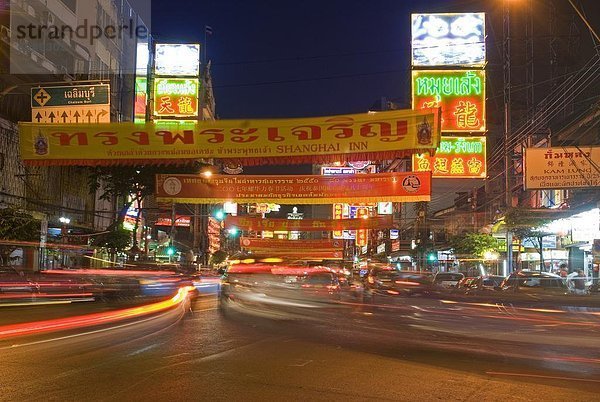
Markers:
point(333, 287)
point(407, 283)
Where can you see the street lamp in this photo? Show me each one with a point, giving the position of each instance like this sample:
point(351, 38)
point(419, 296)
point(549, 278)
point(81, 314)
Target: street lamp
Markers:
point(64, 220)
point(207, 174)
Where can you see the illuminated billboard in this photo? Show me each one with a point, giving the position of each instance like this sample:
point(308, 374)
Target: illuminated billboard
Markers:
point(176, 97)
point(448, 39)
point(460, 94)
point(177, 59)
point(456, 158)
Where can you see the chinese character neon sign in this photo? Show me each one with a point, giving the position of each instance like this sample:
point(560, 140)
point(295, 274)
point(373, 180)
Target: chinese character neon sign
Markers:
point(177, 97)
point(460, 94)
point(456, 157)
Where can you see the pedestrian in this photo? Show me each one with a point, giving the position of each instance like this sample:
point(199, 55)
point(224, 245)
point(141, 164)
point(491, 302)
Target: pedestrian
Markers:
point(579, 283)
point(563, 271)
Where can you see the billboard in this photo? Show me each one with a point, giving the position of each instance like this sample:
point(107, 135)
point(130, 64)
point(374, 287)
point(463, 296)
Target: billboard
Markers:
point(380, 135)
point(79, 104)
point(456, 158)
point(297, 189)
point(253, 223)
point(460, 94)
point(177, 60)
point(176, 97)
point(562, 167)
point(448, 40)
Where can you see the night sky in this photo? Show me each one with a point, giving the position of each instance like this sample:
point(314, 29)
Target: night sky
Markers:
point(279, 58)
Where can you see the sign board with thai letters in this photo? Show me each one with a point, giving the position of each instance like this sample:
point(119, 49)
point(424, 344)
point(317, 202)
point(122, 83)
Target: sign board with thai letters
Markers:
point(84, 104)
point(562, 167)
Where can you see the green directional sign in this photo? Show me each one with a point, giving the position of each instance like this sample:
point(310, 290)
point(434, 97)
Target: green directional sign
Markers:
point(78, 95)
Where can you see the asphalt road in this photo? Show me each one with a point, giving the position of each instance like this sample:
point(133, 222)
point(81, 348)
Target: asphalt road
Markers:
point(180, 355)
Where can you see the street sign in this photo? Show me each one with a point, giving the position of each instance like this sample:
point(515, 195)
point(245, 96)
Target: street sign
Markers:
point(71, 114)
point(70, 95)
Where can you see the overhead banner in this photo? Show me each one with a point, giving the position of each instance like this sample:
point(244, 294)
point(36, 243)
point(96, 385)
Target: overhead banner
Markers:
point(381, 135)
point(456, 158)
point(460, 94)
point(249, 223)
point(562, 167)
point(284, 244)
point(309, 189)
point(306, 254)
point(449, 39)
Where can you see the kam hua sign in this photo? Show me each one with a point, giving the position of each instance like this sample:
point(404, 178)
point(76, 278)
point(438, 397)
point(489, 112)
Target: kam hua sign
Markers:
point(456, 158)
point(176, 97)
point(562, 167)
point(460, 94)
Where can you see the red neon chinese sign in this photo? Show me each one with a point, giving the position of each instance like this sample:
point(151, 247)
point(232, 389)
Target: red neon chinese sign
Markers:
point(457, 158)
point(176, 97)
point(460, 94)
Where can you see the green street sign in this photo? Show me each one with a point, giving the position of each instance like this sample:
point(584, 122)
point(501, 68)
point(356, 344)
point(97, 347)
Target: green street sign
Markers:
point(70, 95)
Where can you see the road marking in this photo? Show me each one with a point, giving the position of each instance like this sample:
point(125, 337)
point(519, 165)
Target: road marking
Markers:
point(550, 377)
point(144, 349)
point(306, 362)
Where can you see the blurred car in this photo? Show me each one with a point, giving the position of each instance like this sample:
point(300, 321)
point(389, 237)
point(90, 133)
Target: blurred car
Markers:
point(534, 283)
point(484, 283)
point(447, 280)
point(391, 282)
point(12, 282)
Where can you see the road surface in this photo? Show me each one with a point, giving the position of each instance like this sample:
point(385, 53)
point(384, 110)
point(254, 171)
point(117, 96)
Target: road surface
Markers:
point(181, 355)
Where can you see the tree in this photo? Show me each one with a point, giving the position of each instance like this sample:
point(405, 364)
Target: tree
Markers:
point(130, 185)
point(16, 226)
point(474, 244)
point(529, 224)
point(218, 257)
point(115, 239)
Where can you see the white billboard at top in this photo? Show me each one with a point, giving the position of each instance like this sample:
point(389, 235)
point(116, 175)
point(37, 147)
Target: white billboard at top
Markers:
point(177, 59)
point(448, 39)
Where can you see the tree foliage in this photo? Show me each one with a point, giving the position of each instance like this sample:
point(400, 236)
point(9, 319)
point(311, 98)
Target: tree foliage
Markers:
point(16, 225)
point(474, 244)
point(218, 257)
point(116, 239)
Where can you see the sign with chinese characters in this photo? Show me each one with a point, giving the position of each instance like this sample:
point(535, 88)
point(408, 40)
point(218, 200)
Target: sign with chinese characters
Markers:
point(176, 97)
point(214, 235)
point(381, 135)
point(460, 94)
point(562, 167)
point(385, 208)
point(297, 189)
point(448, 40)
point(250, 223)
point(456, 158)
point(340, 211)
point(177, 59)
point(362, 235)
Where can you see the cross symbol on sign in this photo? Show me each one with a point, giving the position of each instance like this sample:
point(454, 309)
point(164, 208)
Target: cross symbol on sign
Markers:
point(42, 97)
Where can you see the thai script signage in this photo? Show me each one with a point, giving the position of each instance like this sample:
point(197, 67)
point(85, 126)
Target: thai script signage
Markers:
point(382, 135)
point(562, 167)
point(310, 189)
point(448, 40)
point(284, 244)
point(460, 94)
point(176, 97)
point(456, 157)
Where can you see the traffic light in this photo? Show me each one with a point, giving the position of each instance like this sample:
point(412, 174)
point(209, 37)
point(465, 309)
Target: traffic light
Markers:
point(170, 251)
point(233, 231)
point(219, 214)
point(431, 257)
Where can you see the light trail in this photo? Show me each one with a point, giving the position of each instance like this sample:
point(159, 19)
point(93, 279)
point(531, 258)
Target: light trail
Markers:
point(88, 320)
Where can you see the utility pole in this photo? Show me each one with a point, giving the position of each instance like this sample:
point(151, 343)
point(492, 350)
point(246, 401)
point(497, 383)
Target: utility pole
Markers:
point(507, 126)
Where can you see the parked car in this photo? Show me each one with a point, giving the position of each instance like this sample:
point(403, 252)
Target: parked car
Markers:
point(484, 283)
point(447, 280)
point(534, 283)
